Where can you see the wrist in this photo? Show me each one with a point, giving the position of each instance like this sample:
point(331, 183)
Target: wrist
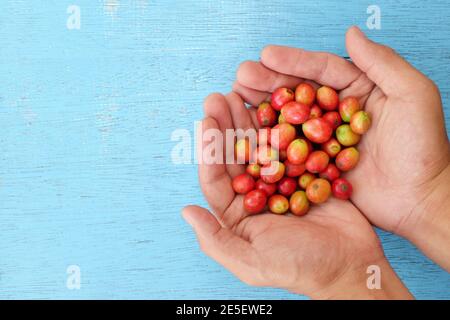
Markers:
point(367, 281)
point(428, 227)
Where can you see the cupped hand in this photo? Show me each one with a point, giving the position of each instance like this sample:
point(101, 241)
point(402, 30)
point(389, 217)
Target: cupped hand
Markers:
point(404, 153)
point(323, 254)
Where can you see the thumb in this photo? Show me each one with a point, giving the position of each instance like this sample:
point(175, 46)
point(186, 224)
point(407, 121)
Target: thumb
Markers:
point(221, 244)
point(389, 71)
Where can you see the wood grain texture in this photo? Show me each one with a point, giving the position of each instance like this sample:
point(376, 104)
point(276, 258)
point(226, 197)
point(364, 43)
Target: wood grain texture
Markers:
point(86, 118)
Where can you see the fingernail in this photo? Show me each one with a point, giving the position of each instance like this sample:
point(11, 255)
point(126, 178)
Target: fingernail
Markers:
point(187, 216)
point(358, 30)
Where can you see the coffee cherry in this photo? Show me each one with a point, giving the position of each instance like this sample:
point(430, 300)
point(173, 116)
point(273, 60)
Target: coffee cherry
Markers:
point(268, 188)
point(318, 191)
point(299, 203)
point(295, 112)
point(294, 170)
point(327, 98)
point(317, 130)
point(330, 173)
point(287, 186)
point(280, 97)
point(346, 136)
point(266, 115)
point(297, 151)
point(347, 107)
point(360, 122)
point(255, 201)
point(278, 204)
point(342, 189)
point(305, 179)
point(254, 170)
point(317, 161)
point(272, 172)
point(282, 135)
point(332, 147)
point(243, 183)
point(333, 118)
point(305, 94)
point(347, 159)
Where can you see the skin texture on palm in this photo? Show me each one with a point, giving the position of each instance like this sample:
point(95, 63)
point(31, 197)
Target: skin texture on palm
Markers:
point(406, 148)
point(305, 255)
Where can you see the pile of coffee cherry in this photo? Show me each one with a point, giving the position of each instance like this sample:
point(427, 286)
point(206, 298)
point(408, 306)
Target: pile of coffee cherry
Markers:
point(306, 140)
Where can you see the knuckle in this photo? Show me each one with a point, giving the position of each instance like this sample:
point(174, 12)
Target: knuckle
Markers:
point(387, 51)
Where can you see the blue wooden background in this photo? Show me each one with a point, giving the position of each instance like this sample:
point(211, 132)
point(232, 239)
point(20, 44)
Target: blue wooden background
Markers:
point(86, 118)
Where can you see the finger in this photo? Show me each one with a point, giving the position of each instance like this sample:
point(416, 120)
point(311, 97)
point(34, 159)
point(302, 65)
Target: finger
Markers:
point(215, 181)
point(251, 96)
point(388, 70)
point(221, 244)
point(217, 107)
point(239, 112)
point(256, 76)
point(324, 68)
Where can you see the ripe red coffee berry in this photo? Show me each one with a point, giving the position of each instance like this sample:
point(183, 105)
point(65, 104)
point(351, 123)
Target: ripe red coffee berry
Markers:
point(299, 203)
point(305, 179)
point(318, 191)
point(280, 97)
point(333, 118)
point(293, 170)
point(255, 201)
point(327, 98)
point(317, 161)
point(268, 188)
point(297, 151)
point(316, 112)
point(254, 170)
point(347, 159)
point(278, 204)
point(266, 115)
point(332, 147)
point(272, 172)
point(282, 135)
point(287, 186)
point(360, 122)
point(347, 107)
point(243, 183)
point(330, 173)
point(342, 189)
point(317, 130)
point(305, 93)
point(295, 112)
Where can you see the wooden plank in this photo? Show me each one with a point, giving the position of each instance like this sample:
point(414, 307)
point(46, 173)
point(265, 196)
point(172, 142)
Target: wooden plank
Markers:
point(86, 118)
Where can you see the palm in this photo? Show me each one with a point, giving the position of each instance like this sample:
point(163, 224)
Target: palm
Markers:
point(313, 250)
point(296, 252)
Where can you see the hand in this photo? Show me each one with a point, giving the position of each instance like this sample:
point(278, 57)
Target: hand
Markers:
point(401, 181)
point(324, 254)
